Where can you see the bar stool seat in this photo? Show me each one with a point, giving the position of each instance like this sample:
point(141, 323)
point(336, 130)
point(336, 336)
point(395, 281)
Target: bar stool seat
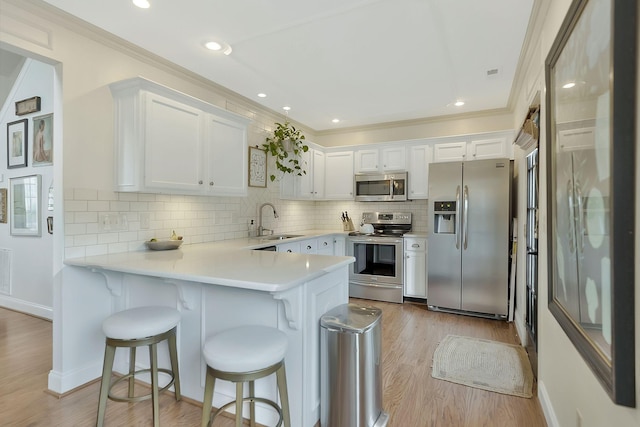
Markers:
point(136, 327)
point(245, 354)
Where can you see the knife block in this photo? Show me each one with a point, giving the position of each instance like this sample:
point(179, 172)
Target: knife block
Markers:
point(347, 225)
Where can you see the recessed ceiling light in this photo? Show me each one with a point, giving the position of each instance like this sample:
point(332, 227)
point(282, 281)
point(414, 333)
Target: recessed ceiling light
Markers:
point(458, 103)
point(262, 95)
point(568, 85)
point(217, 46)
point(142, 4)
point(287, 108)
point(336, 120)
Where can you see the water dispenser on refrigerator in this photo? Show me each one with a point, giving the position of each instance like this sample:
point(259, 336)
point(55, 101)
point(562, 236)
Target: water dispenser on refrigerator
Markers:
point(444, 217)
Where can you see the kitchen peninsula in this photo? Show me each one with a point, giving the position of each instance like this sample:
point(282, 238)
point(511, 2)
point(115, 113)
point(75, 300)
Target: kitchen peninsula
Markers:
point(215, 286)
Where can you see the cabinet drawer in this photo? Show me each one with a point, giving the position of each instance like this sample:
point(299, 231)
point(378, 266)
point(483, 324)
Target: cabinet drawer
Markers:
point(309, 246)
point(415, 244)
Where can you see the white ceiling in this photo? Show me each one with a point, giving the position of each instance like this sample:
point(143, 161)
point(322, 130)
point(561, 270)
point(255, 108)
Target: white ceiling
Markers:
point(361, 61)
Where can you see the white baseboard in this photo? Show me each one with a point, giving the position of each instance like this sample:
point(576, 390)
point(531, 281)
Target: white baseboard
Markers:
point(26, 307)
point(62, 382)
point(547, 407)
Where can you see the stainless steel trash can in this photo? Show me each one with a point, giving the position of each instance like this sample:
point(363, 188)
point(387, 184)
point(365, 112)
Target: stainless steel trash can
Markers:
point(351, 367)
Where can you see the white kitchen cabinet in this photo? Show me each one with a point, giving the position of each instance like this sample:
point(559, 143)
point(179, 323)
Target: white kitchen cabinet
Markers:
point(381, 159)
point(169, 142)
point(311, 184)
point(338, 175)
point(450, 151)
point(493, 148)
point(325, 245)
point(226, 157)
point(339, 245)
point(419, 158)
point(289, 247)
point(415, 267)
point(309, 247)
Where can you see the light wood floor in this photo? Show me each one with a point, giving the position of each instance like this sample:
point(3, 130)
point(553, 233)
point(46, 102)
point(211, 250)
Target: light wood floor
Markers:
point(411, 397)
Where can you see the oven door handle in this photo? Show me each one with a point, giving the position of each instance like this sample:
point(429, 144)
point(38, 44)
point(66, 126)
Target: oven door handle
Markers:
point(378, 240)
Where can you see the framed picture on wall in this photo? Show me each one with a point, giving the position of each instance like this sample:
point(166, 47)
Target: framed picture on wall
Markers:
point(3, 205)
point(42, 140)
point(257, 167)
point(17, 144)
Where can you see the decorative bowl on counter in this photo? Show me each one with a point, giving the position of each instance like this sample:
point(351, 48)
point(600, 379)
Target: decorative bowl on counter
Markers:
point(163, 245)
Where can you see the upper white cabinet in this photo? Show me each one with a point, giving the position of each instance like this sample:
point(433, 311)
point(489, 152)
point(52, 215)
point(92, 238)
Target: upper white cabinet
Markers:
point(450, 151)
point(419, 158)
point(311, 184)
point(381, 159)
point(488, 149)
point(339, 175)
point(169, 142)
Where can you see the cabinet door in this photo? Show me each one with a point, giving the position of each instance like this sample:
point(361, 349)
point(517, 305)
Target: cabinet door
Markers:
point(339, 176)
point(226, 157)
point(304, 184)
point(415, 268)
point(289, 247)
point(367, 160)
point(172, 145)
point(339, 246)
point(325, 245)
point(394, 159)
point(309, 246)
point(419, 158)
point(318, 174)
point(450, 151)
point(488, 149)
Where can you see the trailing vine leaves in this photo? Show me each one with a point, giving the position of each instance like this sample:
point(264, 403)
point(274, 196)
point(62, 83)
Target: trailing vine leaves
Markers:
point(286, 145)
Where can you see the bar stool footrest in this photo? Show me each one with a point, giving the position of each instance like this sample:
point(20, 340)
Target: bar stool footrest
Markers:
point(145, 396)
point(250, 399)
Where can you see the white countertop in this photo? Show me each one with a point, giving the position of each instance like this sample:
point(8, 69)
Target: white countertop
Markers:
point(226, 263)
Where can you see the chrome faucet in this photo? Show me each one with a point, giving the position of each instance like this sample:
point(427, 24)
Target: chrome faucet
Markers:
point(261, 229)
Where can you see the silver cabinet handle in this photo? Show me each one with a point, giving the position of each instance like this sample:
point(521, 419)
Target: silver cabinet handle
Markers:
point(325, 243)
point(289, 250)
point(200, 182)
point(308, 247)
point(415, 245)
point(210, 182)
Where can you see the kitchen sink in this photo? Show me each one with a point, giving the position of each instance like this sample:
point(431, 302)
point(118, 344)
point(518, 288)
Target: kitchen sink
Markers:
point(280, 236)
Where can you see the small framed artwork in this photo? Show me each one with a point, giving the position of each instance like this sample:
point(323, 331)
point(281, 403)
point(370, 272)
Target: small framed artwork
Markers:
point(29, 105)
point(257, 167)
point(25, 205)
point(3, 205)
point(17, 144)
point(42, 140)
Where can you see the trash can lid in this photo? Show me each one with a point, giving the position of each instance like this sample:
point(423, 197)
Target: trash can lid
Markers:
point(351, 318)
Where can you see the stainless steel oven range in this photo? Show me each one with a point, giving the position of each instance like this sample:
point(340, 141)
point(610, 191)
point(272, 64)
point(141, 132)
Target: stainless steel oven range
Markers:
point(378, 272)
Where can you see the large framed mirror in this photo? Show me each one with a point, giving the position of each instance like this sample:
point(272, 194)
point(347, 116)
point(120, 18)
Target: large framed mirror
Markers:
point(591, 89)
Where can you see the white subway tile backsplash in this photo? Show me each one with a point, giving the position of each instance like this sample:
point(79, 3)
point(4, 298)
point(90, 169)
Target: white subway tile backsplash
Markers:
point(202, 219)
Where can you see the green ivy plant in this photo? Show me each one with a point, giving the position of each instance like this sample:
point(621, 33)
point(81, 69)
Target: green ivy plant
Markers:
point(286, 145)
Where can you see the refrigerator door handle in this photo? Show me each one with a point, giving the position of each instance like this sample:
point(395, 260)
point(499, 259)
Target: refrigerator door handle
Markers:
point(580, 231)
point(465, 216)
point(459, 216)
point(571, 216)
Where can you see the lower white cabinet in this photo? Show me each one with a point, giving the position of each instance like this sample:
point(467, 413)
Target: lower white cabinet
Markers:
point(325, 245)
point(415, 267)
point(339, 245)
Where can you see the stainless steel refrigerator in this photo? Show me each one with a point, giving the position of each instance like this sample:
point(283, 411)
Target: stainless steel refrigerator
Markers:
point(468, 243)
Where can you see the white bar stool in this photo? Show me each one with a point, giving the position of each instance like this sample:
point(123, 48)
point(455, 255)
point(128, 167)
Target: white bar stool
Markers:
point(136, 327)
point(242, 354)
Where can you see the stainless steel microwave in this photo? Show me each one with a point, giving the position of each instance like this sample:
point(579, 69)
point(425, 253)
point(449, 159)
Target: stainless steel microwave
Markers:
point(381, 187)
